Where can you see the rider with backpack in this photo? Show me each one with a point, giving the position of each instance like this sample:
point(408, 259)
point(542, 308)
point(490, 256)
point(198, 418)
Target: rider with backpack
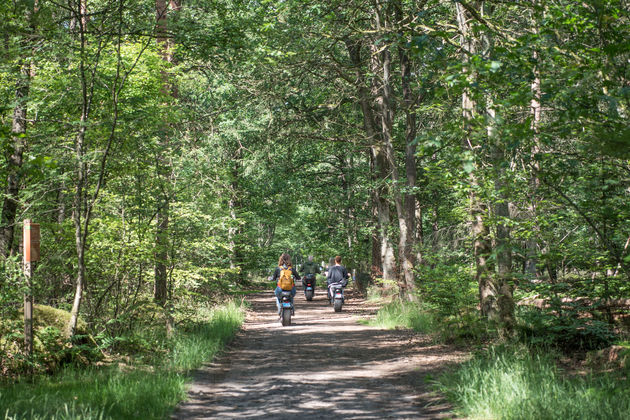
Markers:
point(284, 275)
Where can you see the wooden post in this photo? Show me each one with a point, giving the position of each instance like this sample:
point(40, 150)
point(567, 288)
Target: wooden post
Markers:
point(31, 254)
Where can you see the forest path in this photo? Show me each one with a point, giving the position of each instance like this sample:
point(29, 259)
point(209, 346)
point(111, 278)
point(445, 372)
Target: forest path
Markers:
point(325, 365)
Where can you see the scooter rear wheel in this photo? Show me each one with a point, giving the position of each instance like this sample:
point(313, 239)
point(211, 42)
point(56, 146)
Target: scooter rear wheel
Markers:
point(338, 304)
point(286, 317)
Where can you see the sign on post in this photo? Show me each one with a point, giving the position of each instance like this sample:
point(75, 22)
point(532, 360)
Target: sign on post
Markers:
point(31, 241)
point(31, 254)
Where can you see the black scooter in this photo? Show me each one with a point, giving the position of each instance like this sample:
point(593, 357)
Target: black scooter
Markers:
point(309, 286)
point(286, 305)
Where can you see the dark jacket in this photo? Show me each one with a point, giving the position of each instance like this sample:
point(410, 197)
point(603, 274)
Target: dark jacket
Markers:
point(310, 268)
point(276, 274)
point(338, 274)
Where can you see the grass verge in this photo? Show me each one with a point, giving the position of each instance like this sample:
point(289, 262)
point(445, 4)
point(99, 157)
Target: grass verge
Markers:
point(508, 383)
point(399, 314)
point(512, 381)
point(114, 392)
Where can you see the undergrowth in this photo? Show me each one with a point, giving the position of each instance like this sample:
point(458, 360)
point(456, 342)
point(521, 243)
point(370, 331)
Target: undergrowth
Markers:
point(124, 391)
point(404, 315)
point(521, 378)
point(513, 383)
point(425, 318)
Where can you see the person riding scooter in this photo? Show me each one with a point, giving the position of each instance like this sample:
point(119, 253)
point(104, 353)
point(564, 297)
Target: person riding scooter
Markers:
point(284, 264)
point(309, 270)
point(337, 274)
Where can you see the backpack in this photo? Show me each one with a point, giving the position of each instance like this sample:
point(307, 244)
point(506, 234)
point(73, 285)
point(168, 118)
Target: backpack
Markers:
point(285, 281)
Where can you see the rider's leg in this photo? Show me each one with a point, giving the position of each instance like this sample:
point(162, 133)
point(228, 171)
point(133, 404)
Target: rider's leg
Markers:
point(277, 292)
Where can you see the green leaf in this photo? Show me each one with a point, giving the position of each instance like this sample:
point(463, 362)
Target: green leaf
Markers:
point(495, 66)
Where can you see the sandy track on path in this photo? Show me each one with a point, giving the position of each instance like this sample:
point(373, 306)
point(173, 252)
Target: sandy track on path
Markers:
point(325, 365)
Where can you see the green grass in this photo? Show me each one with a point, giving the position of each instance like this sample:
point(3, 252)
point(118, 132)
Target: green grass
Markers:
point(203, 341)
point(404, 315)
point(147, 392)
point(506, 383)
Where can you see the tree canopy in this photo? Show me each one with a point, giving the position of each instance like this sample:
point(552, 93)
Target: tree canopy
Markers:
point(467, 153)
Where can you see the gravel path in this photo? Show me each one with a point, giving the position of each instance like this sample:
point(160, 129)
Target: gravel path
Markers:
point(325, 365)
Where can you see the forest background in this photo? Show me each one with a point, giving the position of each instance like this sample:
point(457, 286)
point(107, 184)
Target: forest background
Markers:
point(470, 157)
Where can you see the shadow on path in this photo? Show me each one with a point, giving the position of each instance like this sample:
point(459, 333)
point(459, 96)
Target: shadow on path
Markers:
point(325, 365)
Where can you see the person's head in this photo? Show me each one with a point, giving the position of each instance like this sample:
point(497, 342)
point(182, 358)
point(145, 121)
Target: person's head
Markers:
point(310, 258)
point(338, 259)
point(285, 259)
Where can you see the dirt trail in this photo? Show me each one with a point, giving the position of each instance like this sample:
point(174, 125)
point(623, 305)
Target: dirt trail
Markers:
point(325, 365)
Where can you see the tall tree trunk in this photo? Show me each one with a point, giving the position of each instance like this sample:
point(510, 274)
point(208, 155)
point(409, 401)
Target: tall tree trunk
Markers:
point(84, 199)
point(14, 161)
point(536, 113)
point(160, 289)
point(234, 204)
point(419, 233)
point(161, 235)
point(407, 256)
point(351, 234)
point(482, 247)
point(347, 191)
point(80, 193)
point(384, 217)
point(376, 268)
point(385, 262)
point(503, 282)
point(503, 248)
point(79, 212)
point(163, 163)
point(495, 289)
point(387, 108)
point(18, 142)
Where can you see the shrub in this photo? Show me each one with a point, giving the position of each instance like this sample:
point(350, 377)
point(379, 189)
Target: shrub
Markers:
point(568, 333)
point(450, 289)
point(52, 348)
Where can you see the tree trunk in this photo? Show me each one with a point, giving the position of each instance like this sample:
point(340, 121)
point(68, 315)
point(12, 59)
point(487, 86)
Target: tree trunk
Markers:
point(495, 289)
point(419, 233)
point(407, 256)
point(386, 105)
point(504, 284)
point(80, 205)
point(376, 269)
point(234, 205)
point(536, 113)
point(160, 289)
point(18, 143)
point(405, 205)
point(351, 236)
point(84, 200)
point(163, 163)
point(386, 260)
point(14, 161)
point(482, 248)
point(80, 193)
point(80, 280)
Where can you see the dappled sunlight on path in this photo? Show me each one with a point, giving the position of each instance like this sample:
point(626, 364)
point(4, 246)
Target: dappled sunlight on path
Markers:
point(325, 365)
